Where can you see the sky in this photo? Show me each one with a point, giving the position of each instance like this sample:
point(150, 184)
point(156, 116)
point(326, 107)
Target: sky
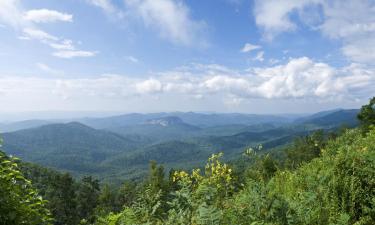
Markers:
point(261, 56)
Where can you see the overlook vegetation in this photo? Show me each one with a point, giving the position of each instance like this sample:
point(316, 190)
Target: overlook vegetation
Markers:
point(320, 177)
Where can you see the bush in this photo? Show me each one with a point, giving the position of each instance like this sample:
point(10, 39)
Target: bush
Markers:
point(19, 201)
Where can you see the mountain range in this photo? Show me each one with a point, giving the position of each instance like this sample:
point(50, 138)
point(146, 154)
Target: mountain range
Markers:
point(118, 147)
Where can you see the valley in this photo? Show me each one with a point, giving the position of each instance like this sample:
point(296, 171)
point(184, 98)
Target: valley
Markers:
point(121, 147)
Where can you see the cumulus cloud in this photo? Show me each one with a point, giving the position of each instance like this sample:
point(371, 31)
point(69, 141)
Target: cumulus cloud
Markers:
point(149, 86)
point(250, 47)
point(352, 22)
point(274, 15)
point(46, 16)
point(300, 78)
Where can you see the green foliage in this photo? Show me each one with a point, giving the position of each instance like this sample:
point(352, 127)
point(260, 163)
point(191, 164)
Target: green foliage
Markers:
point(367, 114)
point(336, 188)
point(19, 201)
point(127, 194)
point(88, 198)
point(62, 200)
point(304, 149)
point(333, 184)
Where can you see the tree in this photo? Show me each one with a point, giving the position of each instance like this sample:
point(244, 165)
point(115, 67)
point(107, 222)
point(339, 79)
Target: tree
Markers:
point(20, 203)
point(367, 115)
point(88, 198)
point(304, 149)
point(156, 177)
point(127, 194)
point(62, 200)
point(268, 167)
point(107, 201)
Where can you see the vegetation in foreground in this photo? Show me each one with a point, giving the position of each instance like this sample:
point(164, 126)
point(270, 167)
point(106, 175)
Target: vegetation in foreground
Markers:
point(319, 179)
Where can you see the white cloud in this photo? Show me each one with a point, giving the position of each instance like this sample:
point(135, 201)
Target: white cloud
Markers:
point(274, 15)
point(132, 59)
point(63, 45)
point(150, 86)
point(259, 56)
point(44, 67)
point(24, 38)
point(67, 54)
point(106, 5)
point(46, 15)
point(39, 35)
point(250, 47)
point(26, 24)
point(170, 18)
point(273, 61)
point(109, 8)
point(361, 50)
point(300, 78)
point(352, 22)
point(11, 14)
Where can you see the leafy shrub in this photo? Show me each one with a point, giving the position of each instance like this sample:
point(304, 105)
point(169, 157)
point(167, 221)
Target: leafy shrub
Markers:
point(336, 188)
point(19, 201)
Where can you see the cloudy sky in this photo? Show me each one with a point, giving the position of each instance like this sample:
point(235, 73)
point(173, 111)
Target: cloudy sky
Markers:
point(261, 56)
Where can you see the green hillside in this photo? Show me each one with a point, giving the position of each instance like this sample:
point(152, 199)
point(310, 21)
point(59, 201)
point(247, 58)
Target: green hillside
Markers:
point(72, 147)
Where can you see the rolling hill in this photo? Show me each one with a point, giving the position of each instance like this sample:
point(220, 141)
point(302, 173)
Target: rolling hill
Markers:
point(73, 146)
point(125, 148)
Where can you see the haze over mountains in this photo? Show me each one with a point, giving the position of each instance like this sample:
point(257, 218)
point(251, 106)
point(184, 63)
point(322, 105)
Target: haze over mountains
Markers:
point(121, 146)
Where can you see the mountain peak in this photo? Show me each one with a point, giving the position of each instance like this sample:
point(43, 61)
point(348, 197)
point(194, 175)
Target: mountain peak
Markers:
point(165, 121)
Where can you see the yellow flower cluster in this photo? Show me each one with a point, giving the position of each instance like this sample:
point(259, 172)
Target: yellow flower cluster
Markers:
point(196, 175)
point(218, 172)
point(180, 175)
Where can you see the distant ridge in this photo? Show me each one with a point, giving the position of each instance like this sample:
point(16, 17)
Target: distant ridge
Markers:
point(191, 118)
point(166, 121)
point(122, 146)
point(24, 124)
point(333, 118)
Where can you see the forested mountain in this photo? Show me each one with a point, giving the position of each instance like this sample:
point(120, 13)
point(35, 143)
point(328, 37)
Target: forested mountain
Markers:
point(73, 146)
point(125, 151)
point(192, 118)
point(159, 129)
point(332, 118)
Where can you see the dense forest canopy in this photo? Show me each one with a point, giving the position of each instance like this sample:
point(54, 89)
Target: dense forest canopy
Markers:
point(321, 178)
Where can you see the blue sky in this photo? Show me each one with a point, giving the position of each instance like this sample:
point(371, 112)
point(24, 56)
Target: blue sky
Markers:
point(262, 56)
